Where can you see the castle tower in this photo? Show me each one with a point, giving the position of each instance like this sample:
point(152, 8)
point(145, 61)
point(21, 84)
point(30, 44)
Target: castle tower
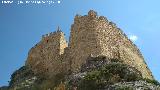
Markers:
point(83, 39)
point(94, 35)
point(44, 57)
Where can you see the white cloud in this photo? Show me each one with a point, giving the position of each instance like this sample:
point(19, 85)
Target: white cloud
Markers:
point(133, 37)
point(59, 1)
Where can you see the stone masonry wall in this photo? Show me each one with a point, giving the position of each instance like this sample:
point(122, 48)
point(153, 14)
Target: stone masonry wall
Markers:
point(93, 35)
point(83, 41)
point(44, 58)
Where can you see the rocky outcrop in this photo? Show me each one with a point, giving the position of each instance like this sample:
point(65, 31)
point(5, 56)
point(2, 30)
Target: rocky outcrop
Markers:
point(22, 78)
point(101, 74)
point(98, 73)
point(136, 85)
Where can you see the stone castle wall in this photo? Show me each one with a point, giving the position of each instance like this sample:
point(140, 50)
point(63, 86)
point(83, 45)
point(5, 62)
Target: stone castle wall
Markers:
point(90, 35)
point(45, 57)
point(93, 35)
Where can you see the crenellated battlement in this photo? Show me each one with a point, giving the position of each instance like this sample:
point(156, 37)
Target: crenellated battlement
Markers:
point(92, 14)
point(54, 34)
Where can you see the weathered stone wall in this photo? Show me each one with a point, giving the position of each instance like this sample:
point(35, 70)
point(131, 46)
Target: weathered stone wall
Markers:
point(44, 58)
point(83, 40)
point(134, 60)
point(93, 35)
point(90, 35)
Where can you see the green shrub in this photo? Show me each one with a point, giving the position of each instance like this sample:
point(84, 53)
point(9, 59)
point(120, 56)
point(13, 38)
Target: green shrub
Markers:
point(109, 74)
point(125, 72)
point(155, 82)
point(90, 81)
point(124, 88)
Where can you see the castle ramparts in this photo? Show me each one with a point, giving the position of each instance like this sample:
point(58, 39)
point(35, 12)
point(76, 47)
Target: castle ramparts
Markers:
point(90, 35)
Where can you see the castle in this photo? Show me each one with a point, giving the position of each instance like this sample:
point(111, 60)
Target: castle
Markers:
point(91, 35)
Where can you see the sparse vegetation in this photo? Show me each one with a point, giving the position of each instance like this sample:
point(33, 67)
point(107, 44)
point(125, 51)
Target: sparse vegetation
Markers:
point(102, 76)
point(109, 74)
point(155, 82)
point(124, 88)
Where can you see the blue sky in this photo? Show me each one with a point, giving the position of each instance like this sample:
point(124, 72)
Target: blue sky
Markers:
point(21, 27)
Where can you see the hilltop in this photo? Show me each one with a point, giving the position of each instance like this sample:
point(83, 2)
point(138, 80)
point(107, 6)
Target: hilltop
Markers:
point(98, 56)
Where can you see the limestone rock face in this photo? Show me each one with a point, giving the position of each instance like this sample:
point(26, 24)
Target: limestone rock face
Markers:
point(91, 35)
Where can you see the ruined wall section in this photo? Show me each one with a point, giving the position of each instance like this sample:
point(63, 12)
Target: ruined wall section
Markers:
point(111, 37)
point(83, 40)
point(115, 44)
point(108, 38)
point(93, 35)
point(132, 56)
point(90, 35)
point(133, 60)
point(44, 57)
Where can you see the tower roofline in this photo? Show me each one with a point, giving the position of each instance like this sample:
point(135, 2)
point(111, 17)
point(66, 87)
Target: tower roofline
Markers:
point(57, 32)
point(58, 29)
